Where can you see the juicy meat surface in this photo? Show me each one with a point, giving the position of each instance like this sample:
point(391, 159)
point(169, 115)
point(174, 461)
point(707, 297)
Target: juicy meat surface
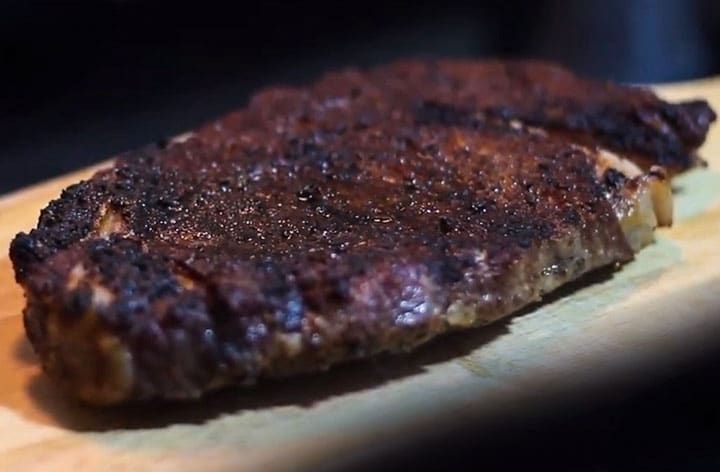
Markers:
point(368, 212)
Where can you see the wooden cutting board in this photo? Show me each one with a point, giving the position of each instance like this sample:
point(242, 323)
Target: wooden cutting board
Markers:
point(658, 310)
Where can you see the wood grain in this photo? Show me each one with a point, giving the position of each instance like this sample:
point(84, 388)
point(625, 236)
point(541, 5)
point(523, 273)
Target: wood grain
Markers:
point(660, 309)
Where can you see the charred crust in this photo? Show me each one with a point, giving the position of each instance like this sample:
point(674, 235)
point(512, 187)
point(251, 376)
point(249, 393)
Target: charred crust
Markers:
point(614, 179)
point(340, 220)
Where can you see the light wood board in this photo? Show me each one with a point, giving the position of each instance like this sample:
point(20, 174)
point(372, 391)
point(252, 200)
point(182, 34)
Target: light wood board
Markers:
point(659, 309)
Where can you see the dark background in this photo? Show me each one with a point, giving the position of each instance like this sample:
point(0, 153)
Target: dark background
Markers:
point(81, 81)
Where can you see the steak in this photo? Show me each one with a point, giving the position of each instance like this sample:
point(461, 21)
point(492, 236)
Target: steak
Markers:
point(369, 212)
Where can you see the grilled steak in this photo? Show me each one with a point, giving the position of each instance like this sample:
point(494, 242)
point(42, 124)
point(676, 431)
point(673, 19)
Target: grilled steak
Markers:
point(369, 212)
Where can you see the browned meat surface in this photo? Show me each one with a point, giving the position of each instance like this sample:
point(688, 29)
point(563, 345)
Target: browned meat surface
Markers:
point(367, 213)
point(629, 120)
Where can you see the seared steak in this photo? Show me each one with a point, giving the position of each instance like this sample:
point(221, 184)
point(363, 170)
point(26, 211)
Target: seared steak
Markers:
point(369, 212)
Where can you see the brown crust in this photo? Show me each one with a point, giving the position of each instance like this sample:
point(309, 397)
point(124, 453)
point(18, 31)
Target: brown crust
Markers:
point(368, 213)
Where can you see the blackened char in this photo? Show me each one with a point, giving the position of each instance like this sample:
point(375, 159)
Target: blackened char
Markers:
point(368, 212)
